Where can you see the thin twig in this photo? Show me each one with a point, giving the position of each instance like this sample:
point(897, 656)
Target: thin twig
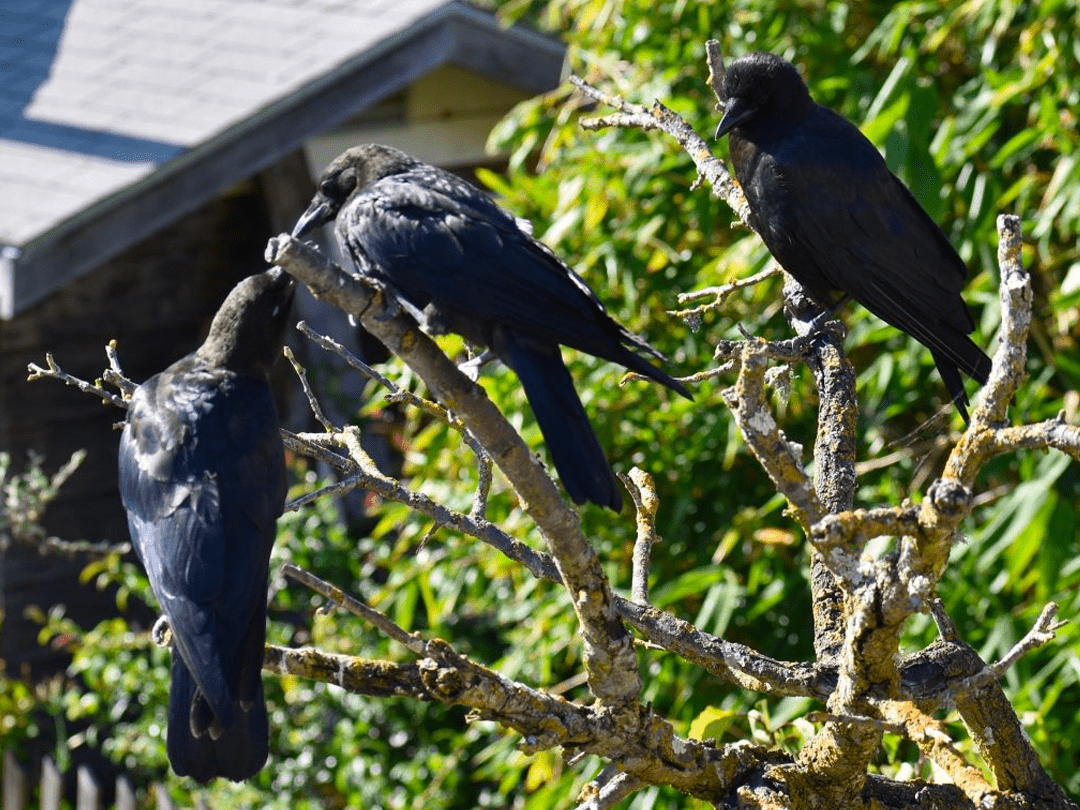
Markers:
point(720, 294)
point(356, 607)
point(114, 375)
point(313, 402)
point(609, 788)
point(54, 372)
point(400, 395)
point(659, 117)
point(1042, 632)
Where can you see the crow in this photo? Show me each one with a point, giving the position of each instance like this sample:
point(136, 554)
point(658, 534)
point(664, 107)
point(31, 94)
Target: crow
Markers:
point(835, 218)
point(202, 477)
point(461, 264)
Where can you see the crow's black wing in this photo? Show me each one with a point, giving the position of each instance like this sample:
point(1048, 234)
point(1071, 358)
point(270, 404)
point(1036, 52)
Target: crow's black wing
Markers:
point(840, 219)
point(173, 503)
point(439, 241)
point(202, 479)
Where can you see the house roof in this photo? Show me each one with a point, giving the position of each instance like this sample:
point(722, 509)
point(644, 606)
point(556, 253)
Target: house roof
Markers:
point(120, 116)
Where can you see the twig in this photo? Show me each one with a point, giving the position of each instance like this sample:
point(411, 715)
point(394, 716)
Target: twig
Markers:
point(36, 372)
point(102, 548)
point(856, 527)
point(114, 375)
point(1042, 632)
point(714, 58)
point(780, 458)
point(333, 490)
point(331, 345)
point(356, 607)
point(659, 117)
point(313, 402)
point(357, 675)
point(434, 409)
point(609, 788)
point(933, 740)
point(538, 563)
point(719, 294)
point(483, 478)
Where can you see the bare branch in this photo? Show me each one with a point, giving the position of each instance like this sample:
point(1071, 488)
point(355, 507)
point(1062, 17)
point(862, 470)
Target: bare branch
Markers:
point(54, 372)
point(355, 607)
point(719, 294)
point(780, 458)
point(983, 438)
point(642, 490)
point(313, 402)
point(609, 788)
point(1041, 633)
point(659, 117)
point(368, 477)
point(434, 409)
point(357, 675)
point(935, 743)
point(114, 375)
point(609, 654)
point(855, 528)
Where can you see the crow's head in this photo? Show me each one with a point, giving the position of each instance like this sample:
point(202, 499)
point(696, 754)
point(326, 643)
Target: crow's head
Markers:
point(248, 330)
point(761, 90)
point(350, 172)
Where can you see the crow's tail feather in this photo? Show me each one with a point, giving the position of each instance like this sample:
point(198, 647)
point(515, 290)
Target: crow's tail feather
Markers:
point(950, 375)
point(240, 750)
point(575, 451)
point(972, 360)
point(637, 363)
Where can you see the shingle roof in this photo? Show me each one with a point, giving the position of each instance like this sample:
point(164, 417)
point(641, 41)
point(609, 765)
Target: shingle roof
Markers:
point(105, 104)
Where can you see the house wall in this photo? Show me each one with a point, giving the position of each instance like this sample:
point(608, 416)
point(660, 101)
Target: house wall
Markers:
point(156, 299)
point(443, 118)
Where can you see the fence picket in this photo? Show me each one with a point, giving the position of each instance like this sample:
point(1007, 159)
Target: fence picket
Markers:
point(52, 785)
point(15, 783)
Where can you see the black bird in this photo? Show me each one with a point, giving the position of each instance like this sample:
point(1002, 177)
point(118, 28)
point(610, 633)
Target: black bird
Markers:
point(202, 476)
point(835, 217)
point(461, 264)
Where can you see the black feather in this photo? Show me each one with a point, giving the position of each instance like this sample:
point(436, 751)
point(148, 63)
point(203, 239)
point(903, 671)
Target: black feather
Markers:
point(202, 476)
point(461, 264)
point(835, 217)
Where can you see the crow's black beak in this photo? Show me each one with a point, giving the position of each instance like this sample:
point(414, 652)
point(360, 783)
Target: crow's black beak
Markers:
point(735, 112)
point(318, 213)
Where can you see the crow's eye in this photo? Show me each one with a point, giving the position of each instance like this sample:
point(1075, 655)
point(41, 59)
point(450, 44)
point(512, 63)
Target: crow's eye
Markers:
point(328, 187)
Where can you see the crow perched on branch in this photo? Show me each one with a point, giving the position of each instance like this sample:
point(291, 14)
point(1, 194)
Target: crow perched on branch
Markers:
point(835, 217)
point(461, 264)
point(202, 476)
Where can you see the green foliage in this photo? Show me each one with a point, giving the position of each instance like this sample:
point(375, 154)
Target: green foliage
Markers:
point(25, 497)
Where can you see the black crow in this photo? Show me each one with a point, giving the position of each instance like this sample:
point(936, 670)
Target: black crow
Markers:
point(461, 264)
point(835, 217)
point(202, 476)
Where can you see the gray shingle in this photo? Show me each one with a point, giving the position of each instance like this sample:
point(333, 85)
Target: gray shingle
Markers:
point(138, 80)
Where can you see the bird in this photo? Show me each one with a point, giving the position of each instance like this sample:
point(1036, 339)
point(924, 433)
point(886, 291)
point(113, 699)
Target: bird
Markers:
point(839, 221)
point(202, 478)
point(459, 263)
